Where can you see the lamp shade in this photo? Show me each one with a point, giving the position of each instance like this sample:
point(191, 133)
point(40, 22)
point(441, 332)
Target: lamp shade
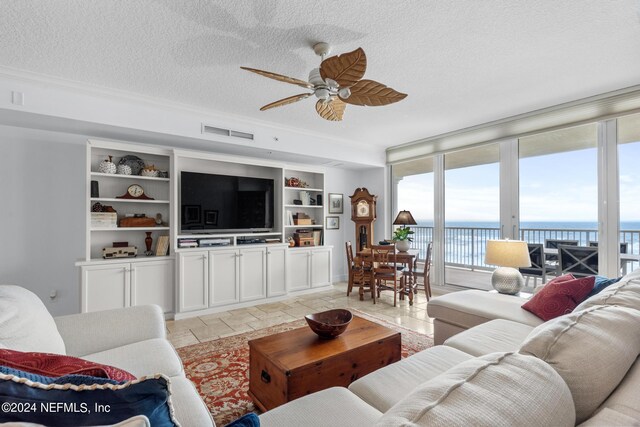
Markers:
point(404, 218)
point(507, 253)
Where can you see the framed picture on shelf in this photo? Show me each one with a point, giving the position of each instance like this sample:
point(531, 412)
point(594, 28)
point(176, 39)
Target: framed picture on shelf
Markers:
point(211, 217)
point(336, 203)
point(333, 223)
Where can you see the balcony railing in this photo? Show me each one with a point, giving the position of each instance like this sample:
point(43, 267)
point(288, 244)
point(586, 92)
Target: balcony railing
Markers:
point(465, 246)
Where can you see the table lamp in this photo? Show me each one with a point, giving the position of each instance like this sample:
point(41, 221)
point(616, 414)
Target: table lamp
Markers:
point(508, 255)
point(404, 218)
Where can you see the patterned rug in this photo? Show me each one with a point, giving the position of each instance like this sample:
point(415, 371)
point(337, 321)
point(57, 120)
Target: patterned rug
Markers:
point(220, 368)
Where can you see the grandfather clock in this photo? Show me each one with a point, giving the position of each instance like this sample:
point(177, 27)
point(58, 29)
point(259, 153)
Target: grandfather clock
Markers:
point(363, 213)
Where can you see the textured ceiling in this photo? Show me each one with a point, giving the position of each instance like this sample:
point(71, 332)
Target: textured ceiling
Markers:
point(462, 62)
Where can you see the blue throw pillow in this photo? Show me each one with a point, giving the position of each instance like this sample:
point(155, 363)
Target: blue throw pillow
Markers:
point(601, 283)
point(248, 420)
point(75, 400)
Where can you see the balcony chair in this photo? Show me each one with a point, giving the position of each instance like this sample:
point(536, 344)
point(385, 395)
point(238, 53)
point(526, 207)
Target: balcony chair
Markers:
point(624, 246)
point(412, 279)
point(538, 268)
point(553, 244)
point(578, 260)
point(386, 275)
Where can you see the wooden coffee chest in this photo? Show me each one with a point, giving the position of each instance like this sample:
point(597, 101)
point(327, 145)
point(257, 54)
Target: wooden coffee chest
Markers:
point(295, 363)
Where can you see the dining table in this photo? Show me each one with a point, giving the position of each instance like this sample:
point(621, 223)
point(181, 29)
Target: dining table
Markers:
point(405, 258)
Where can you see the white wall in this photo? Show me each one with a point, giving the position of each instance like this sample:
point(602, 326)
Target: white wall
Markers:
point(345, 182)
point(42, 221)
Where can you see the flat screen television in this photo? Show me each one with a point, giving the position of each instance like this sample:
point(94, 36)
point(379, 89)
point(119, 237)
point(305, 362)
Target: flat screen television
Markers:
point(223, 203)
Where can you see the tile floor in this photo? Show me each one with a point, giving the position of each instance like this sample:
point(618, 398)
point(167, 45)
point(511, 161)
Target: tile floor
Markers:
point(213, 326)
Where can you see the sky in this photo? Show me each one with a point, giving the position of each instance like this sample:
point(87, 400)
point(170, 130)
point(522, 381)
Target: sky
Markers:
point(556, 187)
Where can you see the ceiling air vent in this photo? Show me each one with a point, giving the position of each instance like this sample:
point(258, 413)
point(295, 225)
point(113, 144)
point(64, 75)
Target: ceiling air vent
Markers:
point(226, 132)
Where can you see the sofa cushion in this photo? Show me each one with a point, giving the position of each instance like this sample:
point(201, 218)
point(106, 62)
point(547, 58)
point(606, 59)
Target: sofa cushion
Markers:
point(625, 293)
point(499, 389)
point(57, 365)
point(20, 311)
point(559, 296)
point(609, 418)
point(335, 406)
point(145, 396)
point(154, 356)
point(188, 407)
point(385, 387)
point(625, 398)
point(491, 337)
point(473, 307)
point(592, 351)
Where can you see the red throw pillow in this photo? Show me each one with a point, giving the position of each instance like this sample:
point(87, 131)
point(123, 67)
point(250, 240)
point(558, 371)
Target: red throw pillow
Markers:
point(57, 365)
point(559, 296)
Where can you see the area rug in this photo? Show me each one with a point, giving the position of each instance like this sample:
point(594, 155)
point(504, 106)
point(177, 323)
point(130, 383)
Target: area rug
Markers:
point(220, 368)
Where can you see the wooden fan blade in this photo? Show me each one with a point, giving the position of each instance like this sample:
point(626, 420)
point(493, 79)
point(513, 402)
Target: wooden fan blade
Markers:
point(332, 110)
point(373, 94)
point(280, 77)
point(346, 69)
point(285, 101)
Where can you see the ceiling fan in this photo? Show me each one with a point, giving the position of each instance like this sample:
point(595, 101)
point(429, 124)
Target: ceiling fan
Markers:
point(336, 83)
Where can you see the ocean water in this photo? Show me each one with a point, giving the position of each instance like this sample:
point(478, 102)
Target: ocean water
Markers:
point(465, 241)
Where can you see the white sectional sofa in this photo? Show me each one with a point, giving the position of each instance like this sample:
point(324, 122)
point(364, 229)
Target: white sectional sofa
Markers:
point(133, 339)
point(578, 369)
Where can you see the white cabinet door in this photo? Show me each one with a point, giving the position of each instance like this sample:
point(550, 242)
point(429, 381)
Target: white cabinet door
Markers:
point(276, 271)
point(105, 287)
point(223, 277)
point(194, 281)
point(298, 269)
point(320, 267)
point(253, 274)
point(153, 283)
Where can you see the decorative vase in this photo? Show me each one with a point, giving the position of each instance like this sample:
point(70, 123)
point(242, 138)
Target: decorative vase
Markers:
point(107, 166)
point(148, 241)
point(124, 170)
point(403, 245)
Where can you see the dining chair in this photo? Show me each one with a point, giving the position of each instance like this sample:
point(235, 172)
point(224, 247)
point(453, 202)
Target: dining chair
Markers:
point(350, 266)
point(386, 275)
point(539, 267)
point(624, 246)
point(578, 260)
point(411, 278)
point(359, 274)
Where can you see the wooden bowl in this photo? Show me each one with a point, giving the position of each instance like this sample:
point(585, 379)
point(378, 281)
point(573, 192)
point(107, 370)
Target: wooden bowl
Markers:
point(329, 324)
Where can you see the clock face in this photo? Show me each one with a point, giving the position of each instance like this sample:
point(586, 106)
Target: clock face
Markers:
point(135, 190)
point(362, 209)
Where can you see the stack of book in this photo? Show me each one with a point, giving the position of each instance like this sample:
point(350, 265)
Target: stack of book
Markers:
point(188, 243)
point(104, 220)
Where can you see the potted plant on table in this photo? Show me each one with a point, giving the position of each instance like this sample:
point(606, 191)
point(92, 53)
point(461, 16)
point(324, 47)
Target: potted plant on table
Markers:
point(402, 238)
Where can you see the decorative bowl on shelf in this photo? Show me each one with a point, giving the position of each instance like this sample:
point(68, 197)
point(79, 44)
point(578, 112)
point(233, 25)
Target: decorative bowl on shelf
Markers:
point(329, 324)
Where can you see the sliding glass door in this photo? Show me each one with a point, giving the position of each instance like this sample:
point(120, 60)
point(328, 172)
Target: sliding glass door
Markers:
point(472, 213)
point(629, 189)
point(413, 183)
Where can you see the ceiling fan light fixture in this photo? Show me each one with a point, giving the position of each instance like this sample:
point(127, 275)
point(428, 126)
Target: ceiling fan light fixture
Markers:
point(323, 93)
point(344, 93)
point(315, 78)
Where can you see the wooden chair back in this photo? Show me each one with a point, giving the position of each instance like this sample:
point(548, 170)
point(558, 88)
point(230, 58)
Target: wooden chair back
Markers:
point(554, 243)
point(384, 259)
point(349, 249)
